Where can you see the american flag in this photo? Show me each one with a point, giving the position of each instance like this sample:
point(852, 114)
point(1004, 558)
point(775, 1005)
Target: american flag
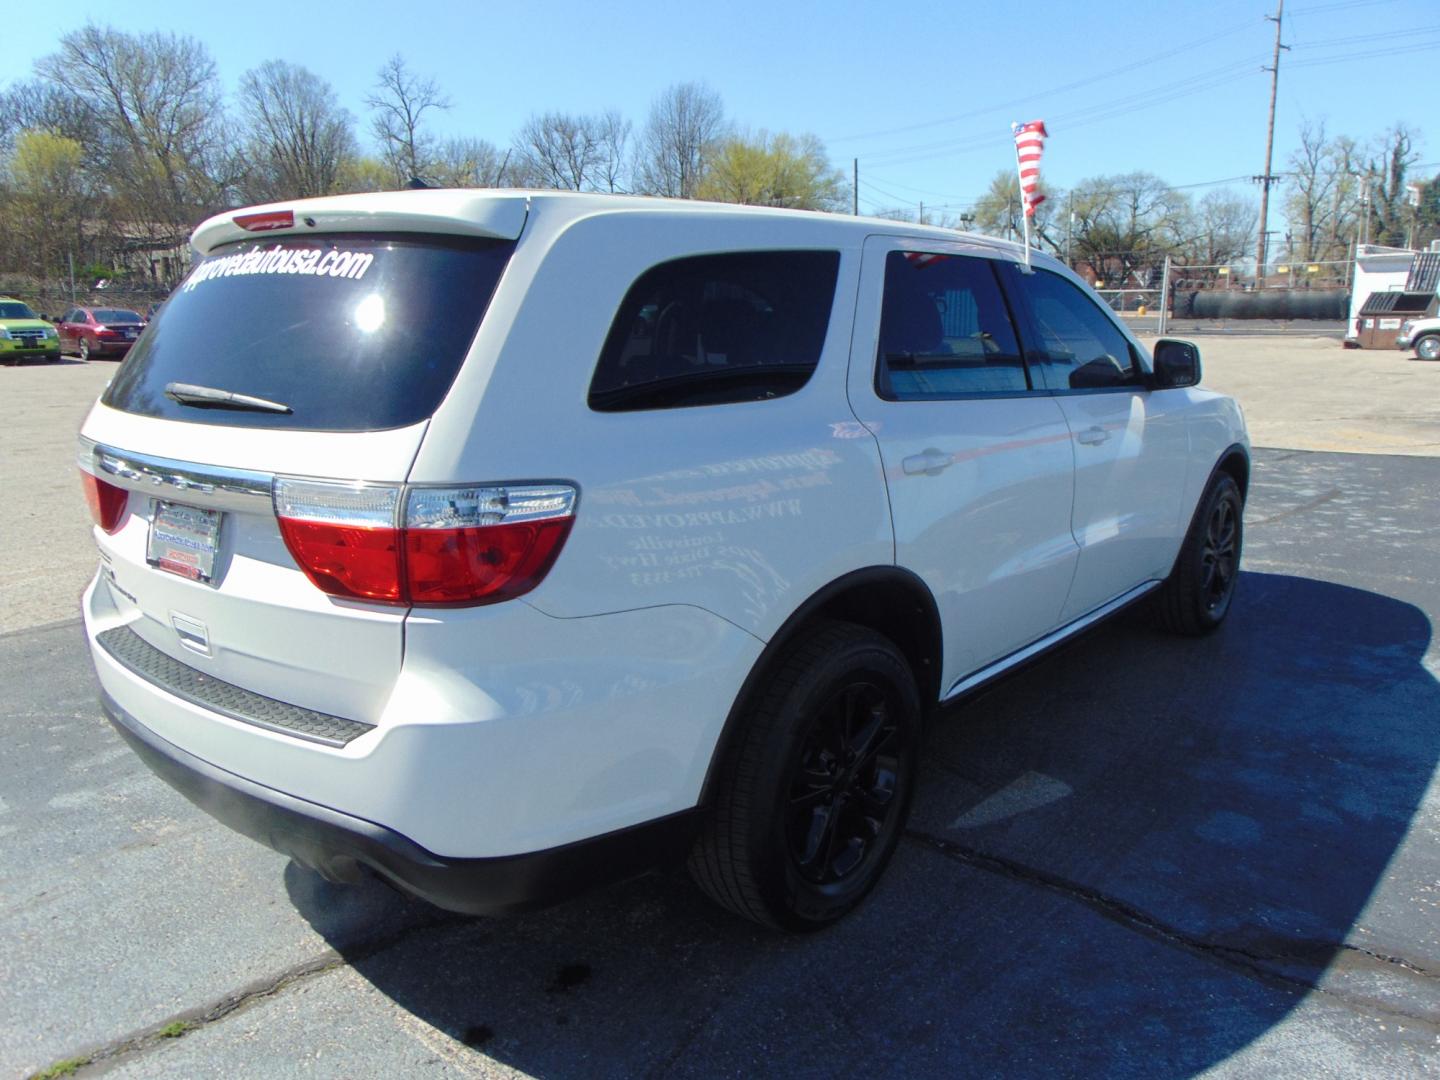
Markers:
point(1029, 145)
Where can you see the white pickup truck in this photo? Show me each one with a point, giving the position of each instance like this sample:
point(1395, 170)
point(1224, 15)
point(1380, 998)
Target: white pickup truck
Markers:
point(1423, 335)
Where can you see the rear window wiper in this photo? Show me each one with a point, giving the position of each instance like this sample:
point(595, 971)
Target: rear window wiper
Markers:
point(190, 394)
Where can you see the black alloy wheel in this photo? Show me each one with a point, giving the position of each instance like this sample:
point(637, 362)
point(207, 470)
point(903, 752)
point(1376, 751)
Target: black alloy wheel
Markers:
point(843, 794)
point(812, 792)
point(1197, 595)
point(1220, 553)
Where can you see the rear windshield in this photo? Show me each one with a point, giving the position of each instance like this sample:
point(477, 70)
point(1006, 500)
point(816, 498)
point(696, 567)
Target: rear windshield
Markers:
point(104, 314)
point(351, 333)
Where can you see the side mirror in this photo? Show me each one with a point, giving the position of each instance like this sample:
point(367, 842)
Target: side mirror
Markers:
point(1177, 364)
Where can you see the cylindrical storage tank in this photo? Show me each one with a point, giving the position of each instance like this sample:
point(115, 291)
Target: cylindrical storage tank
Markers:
point(1315, 304)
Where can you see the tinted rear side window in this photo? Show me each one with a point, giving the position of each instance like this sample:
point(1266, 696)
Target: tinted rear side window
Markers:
point(353, 333)
point(717, 328)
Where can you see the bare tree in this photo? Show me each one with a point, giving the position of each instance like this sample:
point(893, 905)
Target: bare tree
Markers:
point(155, 99)
point(1124, 225)
point(299, 137)
point(1224, 228)
point(1393, 155)
point(472, 163)
point(40, 105)
point(559, 150)
point(573, 152)
point(685, 124)
point(1322, 200)
point(613, 131)
point(399, 104)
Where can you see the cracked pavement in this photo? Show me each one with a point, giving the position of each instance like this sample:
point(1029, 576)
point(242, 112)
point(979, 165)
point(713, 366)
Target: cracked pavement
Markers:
point(1142, 857)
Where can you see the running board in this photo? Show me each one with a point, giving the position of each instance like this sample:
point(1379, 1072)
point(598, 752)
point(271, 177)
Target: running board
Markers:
point(1046, 643)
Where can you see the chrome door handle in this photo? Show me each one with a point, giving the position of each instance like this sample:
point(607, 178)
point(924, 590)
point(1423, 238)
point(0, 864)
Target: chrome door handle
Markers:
point(927, 463)
point(1092, 436)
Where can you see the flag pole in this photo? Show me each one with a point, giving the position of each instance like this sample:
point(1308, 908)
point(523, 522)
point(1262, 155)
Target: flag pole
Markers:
point(1024, 208)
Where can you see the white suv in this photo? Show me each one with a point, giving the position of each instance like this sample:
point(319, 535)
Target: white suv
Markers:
point(505, 542)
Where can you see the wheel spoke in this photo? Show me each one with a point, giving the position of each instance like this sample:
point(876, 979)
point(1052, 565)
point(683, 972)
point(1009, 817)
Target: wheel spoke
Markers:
point(814, 797)
point(833, 838)
point(873, 736)
point(814, 851)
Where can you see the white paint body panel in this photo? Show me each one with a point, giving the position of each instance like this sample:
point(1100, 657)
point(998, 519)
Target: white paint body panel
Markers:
point(1132, 453)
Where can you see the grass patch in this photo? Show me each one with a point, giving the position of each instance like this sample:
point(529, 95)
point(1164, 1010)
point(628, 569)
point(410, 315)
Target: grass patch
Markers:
point(175, 1030)
point(60, 1068)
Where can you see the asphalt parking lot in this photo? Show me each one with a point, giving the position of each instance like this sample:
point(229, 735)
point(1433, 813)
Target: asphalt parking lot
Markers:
point(1143, 857)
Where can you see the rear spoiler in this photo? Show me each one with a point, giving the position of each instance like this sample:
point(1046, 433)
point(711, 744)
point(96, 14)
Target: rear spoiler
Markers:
point(489, 214)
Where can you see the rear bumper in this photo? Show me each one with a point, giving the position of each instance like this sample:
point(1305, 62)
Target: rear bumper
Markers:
point(337, 845)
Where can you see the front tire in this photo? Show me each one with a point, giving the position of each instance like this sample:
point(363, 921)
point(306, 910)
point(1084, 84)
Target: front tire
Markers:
point(814, 791)
point(1428, 347)
point(1197, 595)
point(85, 349)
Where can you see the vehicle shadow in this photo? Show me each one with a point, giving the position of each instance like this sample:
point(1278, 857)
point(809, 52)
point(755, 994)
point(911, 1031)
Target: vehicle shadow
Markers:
point(1134, 859)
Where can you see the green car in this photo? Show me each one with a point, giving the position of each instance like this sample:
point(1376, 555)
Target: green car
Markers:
point(24, 334)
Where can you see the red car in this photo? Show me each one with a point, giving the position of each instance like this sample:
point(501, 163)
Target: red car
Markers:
point(99, 331)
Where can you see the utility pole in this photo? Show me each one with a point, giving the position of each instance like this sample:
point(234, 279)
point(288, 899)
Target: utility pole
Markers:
point(1363, 233)
point(855, 164)
point(1267, 178)
point(922, 213)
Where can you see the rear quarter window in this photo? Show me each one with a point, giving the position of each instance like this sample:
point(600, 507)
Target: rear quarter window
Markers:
point(717, 329)
point(352, 333)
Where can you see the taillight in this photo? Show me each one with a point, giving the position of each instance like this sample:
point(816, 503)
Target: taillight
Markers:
point(105, 331)
point(424, 545)
point(107, 502)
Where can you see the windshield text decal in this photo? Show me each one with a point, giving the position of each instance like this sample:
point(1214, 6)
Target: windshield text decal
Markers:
point(282, 260)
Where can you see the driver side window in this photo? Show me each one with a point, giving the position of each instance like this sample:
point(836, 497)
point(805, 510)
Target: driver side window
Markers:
point(1074, 344)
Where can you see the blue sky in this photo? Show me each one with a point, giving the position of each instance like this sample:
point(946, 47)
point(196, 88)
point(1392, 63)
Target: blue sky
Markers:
point(922, 93)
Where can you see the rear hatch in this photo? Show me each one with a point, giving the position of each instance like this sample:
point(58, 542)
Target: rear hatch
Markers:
point(282, 360)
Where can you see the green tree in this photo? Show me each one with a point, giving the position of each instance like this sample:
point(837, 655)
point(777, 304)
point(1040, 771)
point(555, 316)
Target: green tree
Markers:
point(774, 170)
point(48, 197)
point(999, 213)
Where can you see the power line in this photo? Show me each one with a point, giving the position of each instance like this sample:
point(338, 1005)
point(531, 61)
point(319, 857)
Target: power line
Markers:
point(1016, 102)
point(1346, 5)
point(1091, 114)
point(1371, 55)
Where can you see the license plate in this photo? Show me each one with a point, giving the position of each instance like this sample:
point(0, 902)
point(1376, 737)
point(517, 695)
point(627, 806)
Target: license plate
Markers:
point(183, 540)
point(130, 334)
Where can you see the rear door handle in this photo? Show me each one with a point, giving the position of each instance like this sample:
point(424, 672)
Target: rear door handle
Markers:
point(927, 463)
point(1092, 436)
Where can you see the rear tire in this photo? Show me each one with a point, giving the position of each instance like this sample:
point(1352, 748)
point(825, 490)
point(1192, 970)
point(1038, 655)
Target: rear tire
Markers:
point(1196, 597)
point(814, 791)
point(84, 348)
